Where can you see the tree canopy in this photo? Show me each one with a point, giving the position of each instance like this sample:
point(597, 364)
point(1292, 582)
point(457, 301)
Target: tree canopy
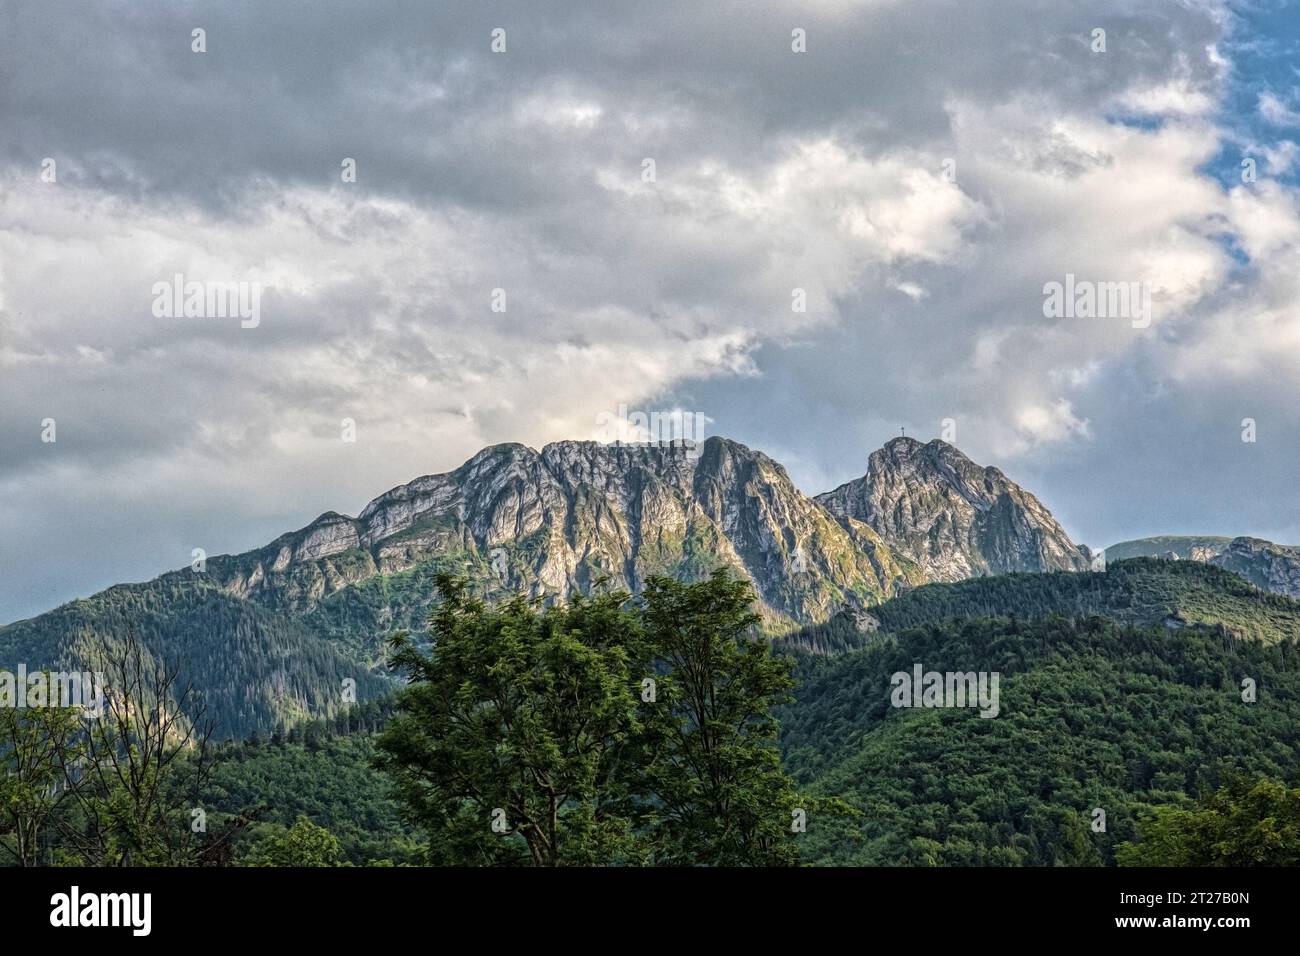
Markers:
point(601, 731)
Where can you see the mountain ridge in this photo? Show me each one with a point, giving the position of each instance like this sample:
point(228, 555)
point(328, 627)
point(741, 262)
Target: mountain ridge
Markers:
point(269, 634)
point(552, 522)
point(1269, 566)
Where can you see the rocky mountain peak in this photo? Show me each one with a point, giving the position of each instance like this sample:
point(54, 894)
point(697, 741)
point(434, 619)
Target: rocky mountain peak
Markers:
point(956, 518)
point(907, 456)
point(553, 522)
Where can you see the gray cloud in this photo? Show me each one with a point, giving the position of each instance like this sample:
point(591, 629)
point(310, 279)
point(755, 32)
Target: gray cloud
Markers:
point(522, 171)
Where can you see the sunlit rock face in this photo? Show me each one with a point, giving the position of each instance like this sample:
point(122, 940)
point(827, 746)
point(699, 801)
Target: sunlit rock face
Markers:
point(560, 521)
point(1270, 566)
point(954, 518)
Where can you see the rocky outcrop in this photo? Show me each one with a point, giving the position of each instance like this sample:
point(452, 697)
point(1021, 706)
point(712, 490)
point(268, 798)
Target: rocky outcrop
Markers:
point(955, 518)
point(1270, 566)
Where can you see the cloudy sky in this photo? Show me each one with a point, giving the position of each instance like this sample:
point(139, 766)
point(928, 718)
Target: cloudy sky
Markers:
point(920, 172)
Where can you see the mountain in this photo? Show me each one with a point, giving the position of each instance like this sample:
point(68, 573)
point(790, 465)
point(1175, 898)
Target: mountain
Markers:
point(286, 631)
point(1185, 547)
point(953, 517)
point(277, 634)
point(290, 630)
point(1273, 567)
point(553, 523)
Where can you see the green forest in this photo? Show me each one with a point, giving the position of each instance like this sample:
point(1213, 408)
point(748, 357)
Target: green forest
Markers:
point(1094, 716)
point(1148, 715)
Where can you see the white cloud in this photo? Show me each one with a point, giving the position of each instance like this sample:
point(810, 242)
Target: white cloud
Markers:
point(824, 172)
point(1275, 111)
point(1174, 98)
point(1050, 423)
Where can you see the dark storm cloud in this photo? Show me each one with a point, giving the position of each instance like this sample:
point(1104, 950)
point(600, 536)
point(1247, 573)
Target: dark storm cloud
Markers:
point(412, 90)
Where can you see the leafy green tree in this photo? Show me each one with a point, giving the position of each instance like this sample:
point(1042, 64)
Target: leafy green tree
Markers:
point(717, 782)
point(511, 744)
point(1243, 824)
point(599, 732)
point(303, 844)
point(36, 744)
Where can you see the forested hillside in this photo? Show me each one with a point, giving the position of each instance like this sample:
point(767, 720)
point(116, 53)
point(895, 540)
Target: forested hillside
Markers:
point(1143, 591)
point(251, 667)
point(1093, 715)
point(1120, 691)
point(1160, 684)
point(321, 771)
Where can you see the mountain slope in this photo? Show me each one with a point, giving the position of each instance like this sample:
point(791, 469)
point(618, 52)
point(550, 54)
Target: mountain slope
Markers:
point(1273, 567)
point(1185, 547)
point(1093, 714)
point(253, 667)
point(1140, 591)
point(954, 518)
